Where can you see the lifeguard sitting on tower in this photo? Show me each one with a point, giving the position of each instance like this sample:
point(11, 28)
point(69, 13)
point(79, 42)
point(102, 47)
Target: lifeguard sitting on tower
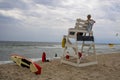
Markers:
point(81, 32)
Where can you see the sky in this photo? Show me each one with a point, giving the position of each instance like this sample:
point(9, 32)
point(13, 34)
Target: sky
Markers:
point(49, 20)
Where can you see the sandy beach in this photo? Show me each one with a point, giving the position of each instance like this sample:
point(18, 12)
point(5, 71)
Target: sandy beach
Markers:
point(108, 68)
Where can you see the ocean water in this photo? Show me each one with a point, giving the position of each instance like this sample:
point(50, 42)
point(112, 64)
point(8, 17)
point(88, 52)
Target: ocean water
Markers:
point(34, 50)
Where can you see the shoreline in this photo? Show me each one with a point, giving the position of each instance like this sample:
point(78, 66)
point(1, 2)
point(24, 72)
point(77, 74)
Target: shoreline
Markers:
point(32, 59)
point(38, 59)
point(108, 67)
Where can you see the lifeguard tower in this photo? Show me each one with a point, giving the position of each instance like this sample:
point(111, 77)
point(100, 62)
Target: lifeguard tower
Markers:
point(79, 46)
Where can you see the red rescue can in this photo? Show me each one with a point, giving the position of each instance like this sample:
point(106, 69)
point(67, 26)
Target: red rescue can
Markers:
point(43, 57)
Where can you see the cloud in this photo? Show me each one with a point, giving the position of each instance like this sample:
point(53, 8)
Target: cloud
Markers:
point(14, 13)
point(6, 4)
point(36, 16)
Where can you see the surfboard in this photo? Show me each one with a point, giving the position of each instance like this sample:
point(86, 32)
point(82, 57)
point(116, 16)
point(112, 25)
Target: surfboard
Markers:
point(24, 62)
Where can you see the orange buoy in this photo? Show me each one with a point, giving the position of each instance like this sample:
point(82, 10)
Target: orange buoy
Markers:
point(63, 42)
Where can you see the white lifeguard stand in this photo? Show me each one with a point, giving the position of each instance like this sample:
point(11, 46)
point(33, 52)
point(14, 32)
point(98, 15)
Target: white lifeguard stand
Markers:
point(85, 54)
